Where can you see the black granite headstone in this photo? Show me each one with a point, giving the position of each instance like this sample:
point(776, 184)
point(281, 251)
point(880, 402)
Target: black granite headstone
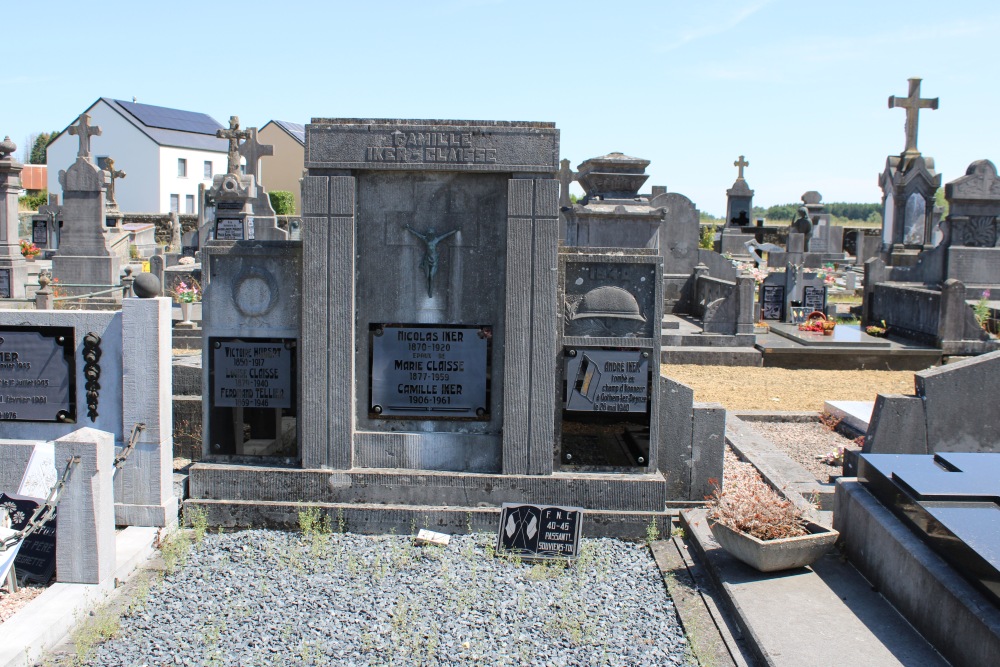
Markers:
point(533, 531)
point(814, 298)
point(36, 560)
point(772, 302)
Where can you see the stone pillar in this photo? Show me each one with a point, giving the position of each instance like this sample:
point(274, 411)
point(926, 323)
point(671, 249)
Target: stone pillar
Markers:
point(530, 351)
point(875, 272)
point(745, 286)
point(144, 490)
point(85, 532)
point(13, 270)
point(953, 313)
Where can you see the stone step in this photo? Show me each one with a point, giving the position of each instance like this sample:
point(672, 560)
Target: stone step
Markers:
point(707, 340)
point(377, 519)
point(711, 356)
point(186, 339)
point(603, 491)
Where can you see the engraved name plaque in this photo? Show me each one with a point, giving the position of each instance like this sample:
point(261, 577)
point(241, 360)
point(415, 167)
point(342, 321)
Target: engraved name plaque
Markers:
point(772, 302)
point(4, 283)
point(39, 233)
point(250, 374)
point(37, 374)
point(607, 380)
point(229, 229)
point(430, 372)
point(814, 298)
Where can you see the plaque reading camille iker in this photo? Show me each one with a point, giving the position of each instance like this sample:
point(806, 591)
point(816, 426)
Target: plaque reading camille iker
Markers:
point(250, 374)
point(533, 531)
point(430, 372)
point(607, 380)
point(37, 374)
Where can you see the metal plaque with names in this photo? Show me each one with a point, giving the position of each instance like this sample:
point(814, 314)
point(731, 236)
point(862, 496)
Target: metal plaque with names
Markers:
point(814, 298)
point(607, 380)
point(229, 229)
point(250, 374)
point(5, 284)
point(39, 233)
point(36, 560)
point(536, 532)
point(37, 381)
point(772, 302)
point(430, 372)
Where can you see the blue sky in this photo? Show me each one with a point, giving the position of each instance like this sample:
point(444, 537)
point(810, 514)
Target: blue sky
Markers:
point(799, 87)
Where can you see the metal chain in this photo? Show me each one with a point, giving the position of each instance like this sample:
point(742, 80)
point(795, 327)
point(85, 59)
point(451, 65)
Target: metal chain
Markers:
point(44, 512)
point(127, 449)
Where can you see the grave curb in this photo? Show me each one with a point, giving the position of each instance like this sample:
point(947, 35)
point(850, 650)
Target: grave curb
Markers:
point(46, 620)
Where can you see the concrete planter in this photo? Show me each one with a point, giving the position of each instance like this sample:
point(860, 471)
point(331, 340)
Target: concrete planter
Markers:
point(775, 555)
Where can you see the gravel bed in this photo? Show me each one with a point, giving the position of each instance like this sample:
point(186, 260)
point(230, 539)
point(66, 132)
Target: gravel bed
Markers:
point(261, 597)
point(807, 444)
point(10, 603)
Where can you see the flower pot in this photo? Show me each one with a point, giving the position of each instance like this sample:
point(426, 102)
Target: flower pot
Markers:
point(775, 555)
point(29, 258)
point(827, 332)
point(186, 315)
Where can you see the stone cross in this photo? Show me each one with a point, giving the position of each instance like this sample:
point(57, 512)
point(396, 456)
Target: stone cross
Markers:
point(253, 151)
point(913, 104)
point(84, 131)
point(566, 176)
point(234, 134)
point(740, 164)
point(114, 173)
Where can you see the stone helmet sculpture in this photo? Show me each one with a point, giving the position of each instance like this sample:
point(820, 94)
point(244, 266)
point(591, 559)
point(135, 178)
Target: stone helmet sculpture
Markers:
point(610, 302)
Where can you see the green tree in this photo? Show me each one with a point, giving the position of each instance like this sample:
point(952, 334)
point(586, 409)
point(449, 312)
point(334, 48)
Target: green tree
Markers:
point(939, 200)
point(39, 143)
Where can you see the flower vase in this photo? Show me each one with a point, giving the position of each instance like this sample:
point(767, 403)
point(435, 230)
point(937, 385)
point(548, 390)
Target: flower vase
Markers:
point(29, 258)
point(186, 322)
point(827, 332)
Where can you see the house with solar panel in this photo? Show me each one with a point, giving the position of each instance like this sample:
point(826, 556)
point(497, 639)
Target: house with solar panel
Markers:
point(283, 169)
point(166, 153)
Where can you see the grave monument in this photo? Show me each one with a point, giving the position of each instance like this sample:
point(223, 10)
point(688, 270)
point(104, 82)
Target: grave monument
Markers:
point(13, 271)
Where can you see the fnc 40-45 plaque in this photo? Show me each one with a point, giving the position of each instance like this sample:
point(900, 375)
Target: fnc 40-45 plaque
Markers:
point(430, 371)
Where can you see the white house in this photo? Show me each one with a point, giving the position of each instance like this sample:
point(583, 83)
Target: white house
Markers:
point(165, 154)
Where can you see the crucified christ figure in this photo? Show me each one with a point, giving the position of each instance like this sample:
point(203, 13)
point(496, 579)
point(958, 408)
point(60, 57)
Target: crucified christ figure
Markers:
point(429, 263)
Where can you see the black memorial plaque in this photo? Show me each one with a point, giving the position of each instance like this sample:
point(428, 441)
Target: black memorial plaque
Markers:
point(533, 531)
point(252, 374)
point(37, 374)
point(430, 372)
point(40, 233)
point(229, 229)
point(36, 561)
point(772, 302)
point(607, 380)
point(814, 298)
point(951, 500)
point(5, 292)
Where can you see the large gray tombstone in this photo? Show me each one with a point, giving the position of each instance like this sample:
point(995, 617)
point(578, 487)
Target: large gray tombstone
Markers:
point(429, 295)
point(83, 257)
point(13, 270)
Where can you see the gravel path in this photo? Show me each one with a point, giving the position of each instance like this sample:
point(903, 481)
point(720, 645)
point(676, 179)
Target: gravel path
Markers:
point(261, 597)
point(806, 443)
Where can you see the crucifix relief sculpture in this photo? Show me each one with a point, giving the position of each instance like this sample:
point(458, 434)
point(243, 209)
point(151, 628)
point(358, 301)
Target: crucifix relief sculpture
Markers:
point(234, 134)
point(913, 104)
point(429, 262)
point(114, 174)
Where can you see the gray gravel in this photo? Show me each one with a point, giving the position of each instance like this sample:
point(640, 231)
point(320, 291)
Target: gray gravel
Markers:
point(270, 598)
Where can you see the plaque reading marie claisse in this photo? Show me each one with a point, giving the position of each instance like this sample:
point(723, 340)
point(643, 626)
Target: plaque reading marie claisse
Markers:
point(249, 374)
point(430, 372)
point(37, 374)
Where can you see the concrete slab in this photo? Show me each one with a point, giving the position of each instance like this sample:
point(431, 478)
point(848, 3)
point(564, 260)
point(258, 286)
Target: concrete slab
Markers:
point(44, 621)
point(844, 335)
point(856, 414)
point(825, 615)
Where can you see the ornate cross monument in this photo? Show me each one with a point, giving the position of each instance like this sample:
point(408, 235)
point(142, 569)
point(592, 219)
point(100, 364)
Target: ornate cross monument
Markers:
point(234, 134)
point(84, 130)
point(566, 177)
point(253, 151)
point(113, 174)
point(740, 164)
point(913, 103)
point(739, 200)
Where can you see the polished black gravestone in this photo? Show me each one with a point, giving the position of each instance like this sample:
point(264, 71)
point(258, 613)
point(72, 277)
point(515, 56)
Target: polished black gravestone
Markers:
point(950, 499)
point(535, 532)
point(36, 561)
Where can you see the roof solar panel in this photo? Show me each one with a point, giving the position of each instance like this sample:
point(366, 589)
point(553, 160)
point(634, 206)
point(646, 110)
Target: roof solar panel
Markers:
point(294, 129)
point(171, 119)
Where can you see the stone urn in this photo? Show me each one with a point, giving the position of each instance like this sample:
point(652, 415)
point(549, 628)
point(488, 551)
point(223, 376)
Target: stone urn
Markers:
point(776, 555)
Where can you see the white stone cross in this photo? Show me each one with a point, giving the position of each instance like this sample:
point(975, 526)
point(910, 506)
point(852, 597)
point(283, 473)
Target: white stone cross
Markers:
point(740, 164)
point(253, 151)
point(84, 131)
point(566, 176)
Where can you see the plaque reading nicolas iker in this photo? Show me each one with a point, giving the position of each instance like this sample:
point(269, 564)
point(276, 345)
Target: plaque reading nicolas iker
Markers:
point(430, 372)
point(37, 374)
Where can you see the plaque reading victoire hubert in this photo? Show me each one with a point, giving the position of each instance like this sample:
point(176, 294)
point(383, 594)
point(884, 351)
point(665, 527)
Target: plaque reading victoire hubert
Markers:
point(249, 374)
point(229, 229)
point(430, 371)
point(607, 380)
point(37, 374)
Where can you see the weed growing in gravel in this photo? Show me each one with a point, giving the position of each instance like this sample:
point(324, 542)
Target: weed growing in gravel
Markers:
point(652, 531)
point(199, 523)
point(174, 549)
point(102, 625)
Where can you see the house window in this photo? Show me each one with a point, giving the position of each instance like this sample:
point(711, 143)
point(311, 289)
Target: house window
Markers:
point(189, 203)
point(182, 168)
point(208, 169)
point(102, 162)
point(175, 203)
